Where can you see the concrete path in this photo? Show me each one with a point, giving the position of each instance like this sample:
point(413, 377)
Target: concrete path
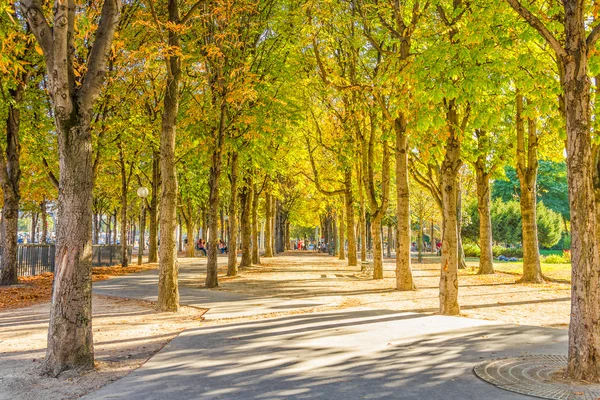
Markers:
point(221, 304)
point(348, 354)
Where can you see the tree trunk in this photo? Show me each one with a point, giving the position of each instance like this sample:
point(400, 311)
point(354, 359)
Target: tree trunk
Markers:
point(153, 209)
point(246, 204)
point(268, 225)
point(10, 177)
point(362, 219)
point(341, 253)
point(482, 178)
point(255, 249)
point(350, 226)
point(377, 247)
point(168, 286)
point(10, 219)
point(34, 221)
point(389, 246)
point(212, 279)
point(462, 264)
point(420, 241)
point(232, 268)
point(190, 229)
point(70, 342)
point(124, 237)
point(404, 278)
point(486, 265)
point(450, 248)
point(44, 213)
point(584, 329)
point(527, 167)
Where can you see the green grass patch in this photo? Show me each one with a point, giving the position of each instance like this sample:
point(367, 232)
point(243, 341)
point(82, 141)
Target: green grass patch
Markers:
point(554, 271)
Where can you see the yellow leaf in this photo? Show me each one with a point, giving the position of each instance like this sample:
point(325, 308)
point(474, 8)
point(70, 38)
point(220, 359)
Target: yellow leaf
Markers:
point(38, 49)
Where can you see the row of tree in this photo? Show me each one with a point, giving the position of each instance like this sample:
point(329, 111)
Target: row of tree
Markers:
point(302, 106)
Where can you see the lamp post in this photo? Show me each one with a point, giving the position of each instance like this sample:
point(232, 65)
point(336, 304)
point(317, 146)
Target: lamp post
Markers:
point(142, 194)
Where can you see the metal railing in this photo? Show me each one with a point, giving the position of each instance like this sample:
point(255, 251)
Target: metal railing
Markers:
point(36, 259)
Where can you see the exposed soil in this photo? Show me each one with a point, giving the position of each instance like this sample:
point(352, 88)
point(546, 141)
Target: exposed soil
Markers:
point(326, 279)
point(38, 289)
point(126, 333)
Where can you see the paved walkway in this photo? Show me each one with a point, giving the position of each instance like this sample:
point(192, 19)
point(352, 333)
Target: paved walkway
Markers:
point(358, 353)
point(221, 304)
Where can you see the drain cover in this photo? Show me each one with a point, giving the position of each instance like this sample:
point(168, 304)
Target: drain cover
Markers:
point(533, 376)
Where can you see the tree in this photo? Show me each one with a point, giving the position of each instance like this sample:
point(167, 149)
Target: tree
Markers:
point(73, 95)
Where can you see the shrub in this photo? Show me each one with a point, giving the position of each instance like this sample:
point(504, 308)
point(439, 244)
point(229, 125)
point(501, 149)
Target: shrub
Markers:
point(567, 256)
point(471, 250)
point(554, 259)
point(507, 252)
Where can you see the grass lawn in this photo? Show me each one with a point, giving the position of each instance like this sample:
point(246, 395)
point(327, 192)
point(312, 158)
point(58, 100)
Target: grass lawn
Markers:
point(554, 271)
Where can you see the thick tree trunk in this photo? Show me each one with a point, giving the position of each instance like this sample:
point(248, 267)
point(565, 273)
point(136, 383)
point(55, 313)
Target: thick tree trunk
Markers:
point(341, 253)
point(153, 210)
point(450, 238)
point(404, 278)
point(268, 225)
point(584, 329)
point(213, 204)
point(246, 204)
point(70, 342)
point(486, 265)
point(232, 268)
point(255, 249)
point(350, 226)
point(168, 286)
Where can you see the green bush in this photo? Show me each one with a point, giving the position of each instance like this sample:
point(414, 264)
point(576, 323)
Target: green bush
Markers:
point(554, 259)
point(507, 252)
point(471, 250)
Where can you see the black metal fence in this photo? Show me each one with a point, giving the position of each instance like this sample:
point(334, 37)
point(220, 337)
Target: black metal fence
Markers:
point(35, 259)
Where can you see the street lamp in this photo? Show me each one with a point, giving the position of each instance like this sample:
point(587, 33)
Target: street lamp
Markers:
point(142, 193)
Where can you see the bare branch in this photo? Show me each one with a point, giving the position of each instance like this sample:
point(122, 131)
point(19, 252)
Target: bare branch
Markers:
point(539, 26)
point(98, 60)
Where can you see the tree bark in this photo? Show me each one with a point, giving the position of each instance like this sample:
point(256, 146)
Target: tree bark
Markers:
point(482, 178)
point(10, 177)
point(124, 187)
point(404, 278)
point(342, 254)
point(246, 204)
point(153, 210)
point(213, 203)
point(44, 213)
point(450, 248)
point(350, 225)
point(232, 268)
point(584, 329)
point(268, 225)
point(70, 342)
point(168, 286)
point(362, 219)
point(527, 167)
point(255, 249)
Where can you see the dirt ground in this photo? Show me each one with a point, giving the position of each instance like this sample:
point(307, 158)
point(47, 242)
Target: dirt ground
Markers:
point(38, 289)
point(126, 333)
point(321, 278)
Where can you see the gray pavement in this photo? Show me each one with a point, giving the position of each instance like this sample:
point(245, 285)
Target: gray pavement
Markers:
point(355, 353)
point(221, 304)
